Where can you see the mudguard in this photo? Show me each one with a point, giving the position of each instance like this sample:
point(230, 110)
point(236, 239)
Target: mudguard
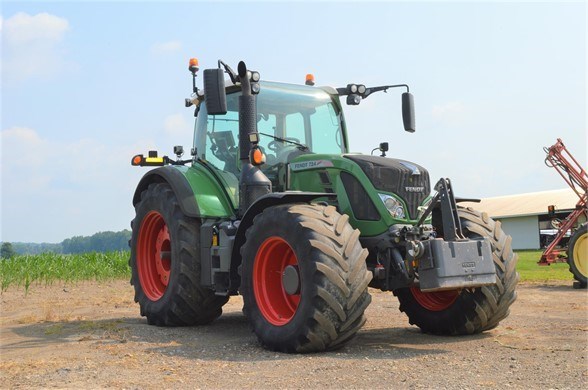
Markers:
point(200, 194)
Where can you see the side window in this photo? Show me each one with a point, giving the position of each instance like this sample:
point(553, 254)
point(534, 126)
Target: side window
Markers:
point(326, 131)
point(222, 132)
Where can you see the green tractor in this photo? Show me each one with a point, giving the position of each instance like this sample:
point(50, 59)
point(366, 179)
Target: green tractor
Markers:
point(271, 205)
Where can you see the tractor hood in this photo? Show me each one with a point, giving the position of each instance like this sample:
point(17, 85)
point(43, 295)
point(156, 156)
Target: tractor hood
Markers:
point(408, 180)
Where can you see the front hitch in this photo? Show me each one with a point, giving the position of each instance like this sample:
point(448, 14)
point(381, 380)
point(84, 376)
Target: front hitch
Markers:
point(452, 262)
point(449, 216)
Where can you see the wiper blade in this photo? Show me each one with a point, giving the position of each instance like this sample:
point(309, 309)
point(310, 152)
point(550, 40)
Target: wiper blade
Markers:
point(302, 146)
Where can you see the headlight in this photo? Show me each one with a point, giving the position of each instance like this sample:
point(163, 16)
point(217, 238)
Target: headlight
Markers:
point(393, 205)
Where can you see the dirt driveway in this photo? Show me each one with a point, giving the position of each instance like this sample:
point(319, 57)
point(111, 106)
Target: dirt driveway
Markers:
point(91, 335)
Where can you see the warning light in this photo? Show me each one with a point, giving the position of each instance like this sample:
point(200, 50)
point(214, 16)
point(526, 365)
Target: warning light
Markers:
point(309, 79)
point(151, 161)
point(193, 65)
point(137, 159)
point(257, 157)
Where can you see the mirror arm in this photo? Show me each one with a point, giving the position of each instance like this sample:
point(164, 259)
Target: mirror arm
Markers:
point(384, 88)
point(344, 91)
point(230, 71)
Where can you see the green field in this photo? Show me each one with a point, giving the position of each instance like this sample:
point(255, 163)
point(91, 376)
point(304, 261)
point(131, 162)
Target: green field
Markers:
point(47, 268)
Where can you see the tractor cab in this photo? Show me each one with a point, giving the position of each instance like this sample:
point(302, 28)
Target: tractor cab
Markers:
point(292, 120)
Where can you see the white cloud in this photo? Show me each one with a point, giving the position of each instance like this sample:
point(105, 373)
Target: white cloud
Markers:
point(76, 163)
point(32, 46)
point(177, 126)
point(23, 28)
point(451, 112)
point(21, 145)
point(24, 133)
point(166, 47)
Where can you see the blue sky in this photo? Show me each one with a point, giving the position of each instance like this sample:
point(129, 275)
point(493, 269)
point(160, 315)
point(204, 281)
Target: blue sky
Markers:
point(85, 85)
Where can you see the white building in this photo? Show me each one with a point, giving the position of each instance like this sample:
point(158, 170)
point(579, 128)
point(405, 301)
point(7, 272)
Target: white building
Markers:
point(524, 215)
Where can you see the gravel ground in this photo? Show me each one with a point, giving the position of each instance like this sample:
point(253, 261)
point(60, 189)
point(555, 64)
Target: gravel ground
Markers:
point(91, 335)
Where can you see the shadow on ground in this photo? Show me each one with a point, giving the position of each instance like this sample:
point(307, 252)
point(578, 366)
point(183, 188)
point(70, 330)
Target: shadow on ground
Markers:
point(227, 339)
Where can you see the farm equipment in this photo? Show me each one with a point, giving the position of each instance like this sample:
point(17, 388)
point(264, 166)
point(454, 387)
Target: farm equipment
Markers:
point(271, 205)
point(576, 255)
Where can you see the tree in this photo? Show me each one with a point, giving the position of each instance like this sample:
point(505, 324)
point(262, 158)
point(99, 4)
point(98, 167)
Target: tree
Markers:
point(99, 242)
point(7, 251)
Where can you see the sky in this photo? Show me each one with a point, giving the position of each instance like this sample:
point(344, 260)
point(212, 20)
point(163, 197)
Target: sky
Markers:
point(86, 85)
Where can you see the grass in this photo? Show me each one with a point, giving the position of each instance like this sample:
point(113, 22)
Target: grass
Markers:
point(49, 267)
point(530, 271)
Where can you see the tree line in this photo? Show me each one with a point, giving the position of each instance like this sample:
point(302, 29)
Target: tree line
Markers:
point(99, 242)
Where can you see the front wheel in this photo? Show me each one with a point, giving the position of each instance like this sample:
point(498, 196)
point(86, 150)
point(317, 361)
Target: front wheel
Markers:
point(304, 278)
point(468, 311)
point(578, 254)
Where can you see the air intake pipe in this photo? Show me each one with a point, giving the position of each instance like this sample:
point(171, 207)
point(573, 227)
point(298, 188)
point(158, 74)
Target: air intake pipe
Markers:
point(253, 183)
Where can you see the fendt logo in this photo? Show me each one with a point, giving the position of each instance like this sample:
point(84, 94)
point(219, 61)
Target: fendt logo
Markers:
point(414, 189)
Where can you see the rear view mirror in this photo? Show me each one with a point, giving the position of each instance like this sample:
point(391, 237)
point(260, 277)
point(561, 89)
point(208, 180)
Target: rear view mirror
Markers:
point(215, 95)
point(408, 112)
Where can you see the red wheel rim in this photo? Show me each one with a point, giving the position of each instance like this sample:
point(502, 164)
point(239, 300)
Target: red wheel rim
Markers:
point(435, 301)
point(154, 256)
point(273, 256)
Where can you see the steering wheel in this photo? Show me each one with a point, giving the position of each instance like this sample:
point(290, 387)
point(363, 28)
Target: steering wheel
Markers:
point(276, 145)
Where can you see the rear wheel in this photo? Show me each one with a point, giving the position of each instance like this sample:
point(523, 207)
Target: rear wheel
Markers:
point(578, 254)
point(304, 278)
point(165, 263)
point(467, 311)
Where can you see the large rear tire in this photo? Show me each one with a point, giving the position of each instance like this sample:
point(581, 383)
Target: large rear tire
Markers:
point(578, 254)
point(467, 311)
point(304, 278)
point(165, 263)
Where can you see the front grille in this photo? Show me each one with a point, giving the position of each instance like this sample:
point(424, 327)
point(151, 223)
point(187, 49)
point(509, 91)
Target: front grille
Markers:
point(361, 205)
point(405, 179)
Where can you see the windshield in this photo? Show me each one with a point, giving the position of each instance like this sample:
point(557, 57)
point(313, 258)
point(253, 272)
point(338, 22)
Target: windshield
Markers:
point(303, 115)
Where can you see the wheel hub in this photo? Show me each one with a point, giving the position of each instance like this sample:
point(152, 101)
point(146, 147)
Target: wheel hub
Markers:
point(291, 280)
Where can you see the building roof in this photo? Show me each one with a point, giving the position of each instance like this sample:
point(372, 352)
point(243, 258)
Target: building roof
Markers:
point(533, 203)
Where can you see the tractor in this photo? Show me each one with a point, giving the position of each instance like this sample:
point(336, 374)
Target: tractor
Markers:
point(271, 205)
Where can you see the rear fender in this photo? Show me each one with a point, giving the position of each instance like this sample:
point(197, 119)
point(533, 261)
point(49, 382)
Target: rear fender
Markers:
point(200, 195)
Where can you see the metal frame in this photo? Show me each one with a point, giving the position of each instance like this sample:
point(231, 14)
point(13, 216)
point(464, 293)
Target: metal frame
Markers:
point(575, 176)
